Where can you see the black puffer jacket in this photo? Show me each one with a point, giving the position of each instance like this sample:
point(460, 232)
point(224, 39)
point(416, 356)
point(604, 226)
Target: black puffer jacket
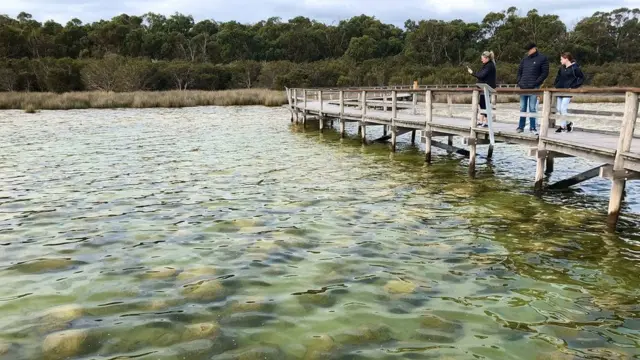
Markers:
point(533, 71)
point(487, 75)
point(569, 77)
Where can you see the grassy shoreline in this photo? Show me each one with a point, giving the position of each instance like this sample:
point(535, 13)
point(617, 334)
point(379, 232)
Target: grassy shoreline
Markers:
point(34, 101)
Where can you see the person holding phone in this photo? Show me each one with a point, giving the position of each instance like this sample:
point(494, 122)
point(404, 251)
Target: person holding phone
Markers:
point(569, 77)
point(486, 75)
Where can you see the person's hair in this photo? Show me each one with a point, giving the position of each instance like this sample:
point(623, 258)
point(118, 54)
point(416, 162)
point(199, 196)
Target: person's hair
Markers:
point(568, 56)
point(490, 55)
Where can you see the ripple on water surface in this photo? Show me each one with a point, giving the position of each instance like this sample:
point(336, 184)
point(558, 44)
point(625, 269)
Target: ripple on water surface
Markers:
point(222, 233)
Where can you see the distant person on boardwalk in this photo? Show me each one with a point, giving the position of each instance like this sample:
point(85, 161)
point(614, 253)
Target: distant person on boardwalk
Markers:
point(486, 75)
point(569, 77)
point(532, 72)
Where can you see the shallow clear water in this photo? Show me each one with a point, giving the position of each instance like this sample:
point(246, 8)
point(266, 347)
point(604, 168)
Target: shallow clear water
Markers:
point(225, 233)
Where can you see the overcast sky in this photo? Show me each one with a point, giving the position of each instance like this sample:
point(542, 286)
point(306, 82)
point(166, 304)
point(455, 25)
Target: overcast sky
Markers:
point(328, 11)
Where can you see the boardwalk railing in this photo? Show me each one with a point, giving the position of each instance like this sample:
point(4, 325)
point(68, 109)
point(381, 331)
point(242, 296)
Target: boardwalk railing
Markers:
point(432, 112)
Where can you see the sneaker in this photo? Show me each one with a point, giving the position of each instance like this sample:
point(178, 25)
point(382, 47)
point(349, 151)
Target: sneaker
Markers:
point(518, 130)
point(534, 131)
point(478, 123)
point(485, 125)
point(569, 127)
point(559, 130)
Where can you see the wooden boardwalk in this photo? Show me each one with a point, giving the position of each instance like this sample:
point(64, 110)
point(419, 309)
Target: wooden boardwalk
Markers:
point(617, 152)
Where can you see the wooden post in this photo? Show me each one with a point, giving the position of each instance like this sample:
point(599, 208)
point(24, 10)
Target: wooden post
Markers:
point(494, 101)
point(415, 103)
point(450, 143)
point(449, 105)
point(321, 118)
point(295, 103)
point(472, 132)
point(624, 145)
point(394, 113)
point(427, 129)
point(384, 102)
point(304, 107)
point(413, 137)
point(341, 113)
point(544, 130)
point(363, 127)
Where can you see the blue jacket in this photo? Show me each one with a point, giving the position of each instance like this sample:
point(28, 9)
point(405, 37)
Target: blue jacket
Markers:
point(569, 77)
point(533, 71)
point(487, 75)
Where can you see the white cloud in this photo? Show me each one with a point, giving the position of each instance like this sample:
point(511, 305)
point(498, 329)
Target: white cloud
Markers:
point(323, 10)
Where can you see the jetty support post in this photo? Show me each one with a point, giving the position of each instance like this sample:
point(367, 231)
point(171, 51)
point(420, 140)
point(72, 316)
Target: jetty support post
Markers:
point(544, 130)
point(320, 115)
point(363, 127)
point(473, 140)
point(304, 107)
point(624, 145)
point(394, 114)
point(341, 113)
point(295, 103)
point(427, 128)
point(550, 163)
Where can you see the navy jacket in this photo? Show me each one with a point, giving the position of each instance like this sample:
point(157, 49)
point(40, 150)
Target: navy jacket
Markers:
point(569, 77)
point(487, 75)
point(533, 71)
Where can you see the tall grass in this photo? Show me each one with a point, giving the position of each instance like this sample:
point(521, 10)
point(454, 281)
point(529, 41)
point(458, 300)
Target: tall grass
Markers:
point(140, 99)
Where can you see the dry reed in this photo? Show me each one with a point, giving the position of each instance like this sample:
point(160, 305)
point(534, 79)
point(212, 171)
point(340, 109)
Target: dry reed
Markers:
point(141, 99)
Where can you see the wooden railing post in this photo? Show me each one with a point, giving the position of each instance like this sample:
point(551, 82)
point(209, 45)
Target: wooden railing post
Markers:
point(341, 113)
point(394, 114)
point(544, 130)
point(427, 128)
point(472, 133)
point(449, 105)
point(363, 127)
point(384, 102)
point(295, 103)
point(415, 103)
point(304, 107)
point(320, 116)
point(624, 145)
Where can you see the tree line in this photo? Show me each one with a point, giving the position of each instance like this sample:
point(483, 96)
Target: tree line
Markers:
point(155, 52)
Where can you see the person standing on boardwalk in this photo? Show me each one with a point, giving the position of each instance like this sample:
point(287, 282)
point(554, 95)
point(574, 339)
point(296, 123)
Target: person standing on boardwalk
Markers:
point(569, 77)
point(532, 72)
point(486, 75)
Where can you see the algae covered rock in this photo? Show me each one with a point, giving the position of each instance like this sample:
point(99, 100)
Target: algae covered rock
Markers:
point(366, 334)
point(64, 313)
point(197, 272)
point(60, 317)
point(4, 348)
point(320, 347)
point(321, 300)
point(208, 330)
point(44, 265)
point(249, 304)
point(204, 290)
point(399, 287)
point(64, 344)
point(254, 353)
point(161, 272)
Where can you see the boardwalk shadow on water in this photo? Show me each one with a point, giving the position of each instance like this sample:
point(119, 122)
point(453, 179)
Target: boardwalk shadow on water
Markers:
point(215, 233)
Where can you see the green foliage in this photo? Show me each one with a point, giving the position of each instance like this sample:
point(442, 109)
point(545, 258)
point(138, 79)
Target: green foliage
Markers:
point(156, 52)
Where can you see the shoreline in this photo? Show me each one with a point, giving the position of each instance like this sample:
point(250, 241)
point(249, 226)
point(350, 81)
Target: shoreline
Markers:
point(32, 102)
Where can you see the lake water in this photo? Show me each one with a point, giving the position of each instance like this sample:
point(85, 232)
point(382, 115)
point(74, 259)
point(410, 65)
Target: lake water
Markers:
point(226, 233)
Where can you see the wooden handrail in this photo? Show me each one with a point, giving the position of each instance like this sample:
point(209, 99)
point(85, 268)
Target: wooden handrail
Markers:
point(503, 91)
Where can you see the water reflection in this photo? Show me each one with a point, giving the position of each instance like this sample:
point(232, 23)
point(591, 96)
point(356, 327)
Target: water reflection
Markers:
point(212, 233)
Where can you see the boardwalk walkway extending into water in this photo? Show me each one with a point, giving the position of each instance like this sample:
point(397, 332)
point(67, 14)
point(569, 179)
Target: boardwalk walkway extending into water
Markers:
point(402, 110)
